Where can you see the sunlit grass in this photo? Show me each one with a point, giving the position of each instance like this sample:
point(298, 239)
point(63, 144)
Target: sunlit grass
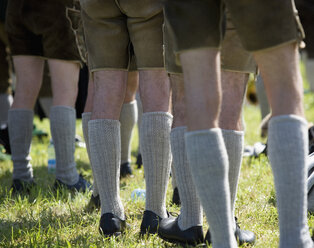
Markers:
point(47, 219)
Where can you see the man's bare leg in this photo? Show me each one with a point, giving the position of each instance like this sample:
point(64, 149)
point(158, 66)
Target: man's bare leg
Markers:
point(233, 88)
point(29, 72)
point(104, 138)
point(132, 86)
point(191, 210)
point(155, 143)
point(287, 143)
point(86, 116)
point(230, 122)
point(64, 82)
point(206, 151)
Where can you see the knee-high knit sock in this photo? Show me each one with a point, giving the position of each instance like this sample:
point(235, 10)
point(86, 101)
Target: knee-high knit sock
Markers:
point(62, 125)
point(191, 210)
point(139, 118)
point(156, 154)
point(128, 118)
point(105, 154)
point(85, 119)
point(208, 160)
point(234, 146)
point(287, 149)
point(20, 131)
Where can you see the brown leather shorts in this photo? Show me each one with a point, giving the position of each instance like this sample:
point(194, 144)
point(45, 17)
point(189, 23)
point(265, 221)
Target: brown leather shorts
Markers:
point(233, 56)
point(40, 28)
point(261, 24)
point(111, 26)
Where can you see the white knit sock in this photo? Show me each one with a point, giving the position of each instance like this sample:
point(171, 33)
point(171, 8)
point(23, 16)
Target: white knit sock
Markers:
point(85, 119)
point(105, 154)
point(234, 146)
point(191, 210)
point(128, 119)
point(287, 149)
point(208, 160)
point(20, 123)
point(62, 126)
point(139, 118)
point(156, 154)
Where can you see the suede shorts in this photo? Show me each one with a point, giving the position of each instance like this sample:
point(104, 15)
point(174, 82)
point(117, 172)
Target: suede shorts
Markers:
point(111, 26)
point(73, 14)
point(40, 28)
point(261, 24)
point(233, 56)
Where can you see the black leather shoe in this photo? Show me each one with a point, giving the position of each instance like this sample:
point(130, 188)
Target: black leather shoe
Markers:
point(125, 170)
point(242, 236)
point(150, 223)
point(81, 185)
point(19, 186)
point(170, 231)
point(139, 161)
point(94, 203)
point(176, 197)
point(111, 225)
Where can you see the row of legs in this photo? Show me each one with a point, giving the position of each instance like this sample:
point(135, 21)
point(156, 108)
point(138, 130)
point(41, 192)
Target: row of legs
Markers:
point(207, 137)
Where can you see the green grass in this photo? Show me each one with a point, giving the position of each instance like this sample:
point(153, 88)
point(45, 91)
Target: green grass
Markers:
point(45, 219)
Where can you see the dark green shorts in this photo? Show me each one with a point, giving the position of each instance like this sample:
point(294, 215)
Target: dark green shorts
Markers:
point(261, 24)
point(40, 28)
point(233, 56)
point(111, 26)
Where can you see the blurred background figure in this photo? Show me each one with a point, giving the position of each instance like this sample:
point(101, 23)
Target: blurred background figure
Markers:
point(36, 35)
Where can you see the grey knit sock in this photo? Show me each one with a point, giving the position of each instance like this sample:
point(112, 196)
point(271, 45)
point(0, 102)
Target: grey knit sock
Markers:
point(105, 154)
point(46, 104)
point(85, 119)
point(156, 154)
point(20, 131)
point(234, 145)
point(287, 149)
point(62, 126)
point(208, 160)
point(191, 210)
point(128, 118)
point(5, 104)
point(139, 118)
point(173, 172)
